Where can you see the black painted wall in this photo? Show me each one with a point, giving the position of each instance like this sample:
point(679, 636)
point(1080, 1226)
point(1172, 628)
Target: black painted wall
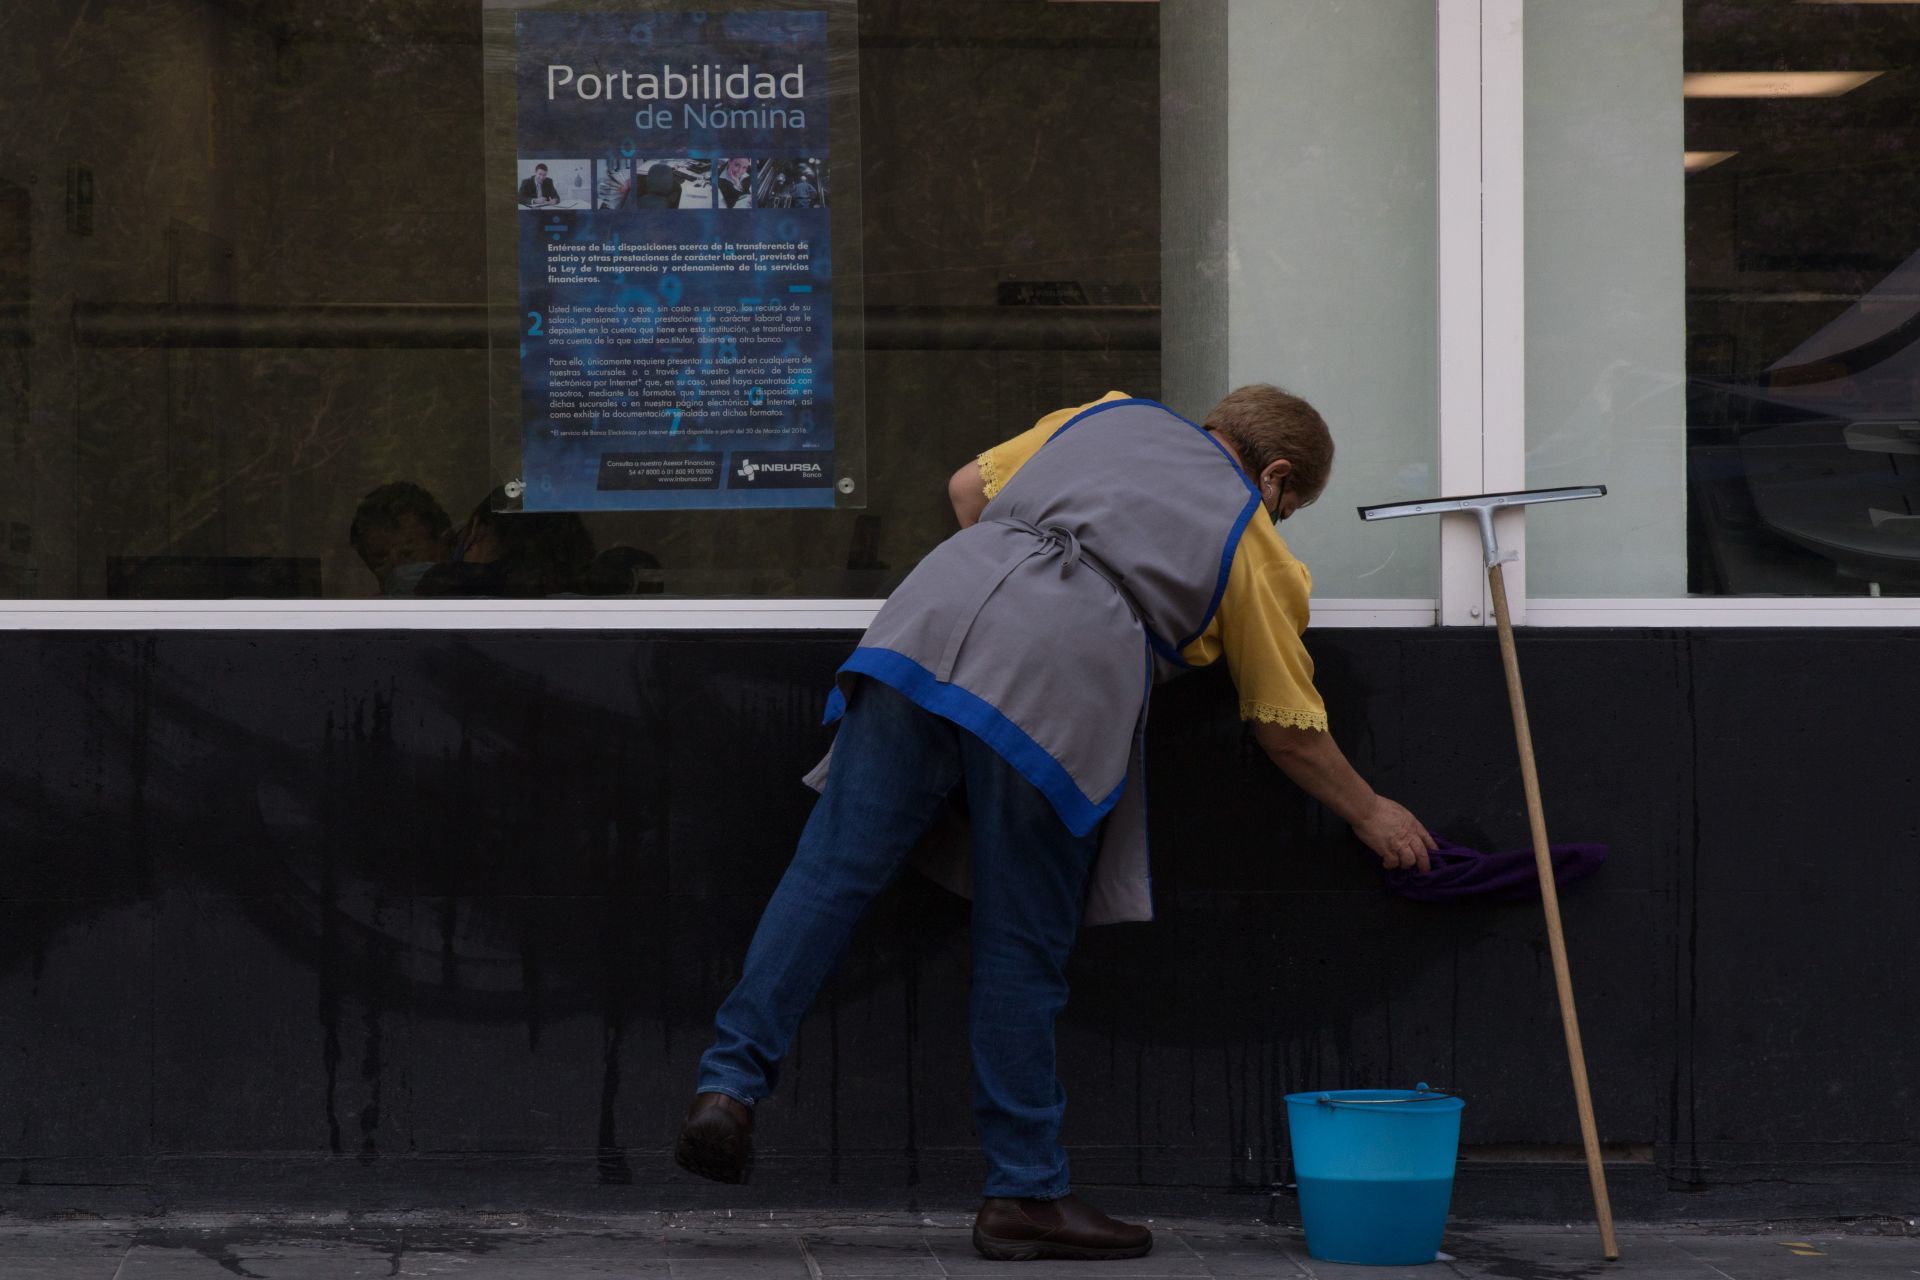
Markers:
point(391, 919)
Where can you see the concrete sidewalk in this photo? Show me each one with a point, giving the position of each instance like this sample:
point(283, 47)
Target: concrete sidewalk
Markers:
point(819, 1246)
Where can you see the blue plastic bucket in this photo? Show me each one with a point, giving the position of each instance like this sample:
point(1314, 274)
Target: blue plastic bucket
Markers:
point(1375, 1170)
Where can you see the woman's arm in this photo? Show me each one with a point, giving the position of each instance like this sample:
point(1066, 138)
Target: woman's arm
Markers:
point(1315, 763)
point(967, 490)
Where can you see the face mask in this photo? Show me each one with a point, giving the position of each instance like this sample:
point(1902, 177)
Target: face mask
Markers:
point(1280, 503)
point(404, 580)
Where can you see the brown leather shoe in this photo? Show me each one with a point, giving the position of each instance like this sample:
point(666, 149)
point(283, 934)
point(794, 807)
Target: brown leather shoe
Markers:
point(1023, 1230)
point(717, 1140)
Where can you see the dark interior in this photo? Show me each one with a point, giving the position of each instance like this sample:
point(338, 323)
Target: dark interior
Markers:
point(257, 157)
point(265, 159)
point(1803, 449)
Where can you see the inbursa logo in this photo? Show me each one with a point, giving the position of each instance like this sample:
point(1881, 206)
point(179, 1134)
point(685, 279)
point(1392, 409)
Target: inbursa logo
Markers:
point(795, 470)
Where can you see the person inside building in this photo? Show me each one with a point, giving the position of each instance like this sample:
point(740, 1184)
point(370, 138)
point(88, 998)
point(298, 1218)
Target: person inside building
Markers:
point(1112, 545)
point(503, 550)
point(400, 533)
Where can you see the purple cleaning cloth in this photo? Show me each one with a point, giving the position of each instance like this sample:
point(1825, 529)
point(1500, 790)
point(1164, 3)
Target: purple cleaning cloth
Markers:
point(1460, 872)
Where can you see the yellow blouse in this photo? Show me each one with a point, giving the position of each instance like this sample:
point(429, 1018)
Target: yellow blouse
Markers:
point(1262, 613)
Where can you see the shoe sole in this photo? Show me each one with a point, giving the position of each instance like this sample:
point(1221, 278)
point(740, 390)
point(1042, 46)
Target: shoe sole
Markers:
point(715, 1152)
point(994, 1249)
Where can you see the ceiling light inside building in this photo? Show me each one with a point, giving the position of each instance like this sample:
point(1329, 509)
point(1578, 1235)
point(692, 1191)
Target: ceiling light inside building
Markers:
point(1700, 161)
point(1774, 84)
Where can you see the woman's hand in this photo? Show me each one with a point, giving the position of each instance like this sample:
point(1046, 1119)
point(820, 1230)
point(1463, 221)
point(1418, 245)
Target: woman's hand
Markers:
point(1396, 836)
point(1315, 763)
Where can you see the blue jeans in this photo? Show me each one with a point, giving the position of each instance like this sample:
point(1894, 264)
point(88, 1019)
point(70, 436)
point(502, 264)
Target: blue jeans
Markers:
point(894, 764)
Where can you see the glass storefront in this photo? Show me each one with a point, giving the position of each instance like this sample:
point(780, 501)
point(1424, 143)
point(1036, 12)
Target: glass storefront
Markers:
point(245, 283)
point(1721, 297)
point(1309, 169)
point(250, 291)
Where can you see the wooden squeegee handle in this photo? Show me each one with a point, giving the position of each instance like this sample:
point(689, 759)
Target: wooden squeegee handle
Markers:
point(1550, 901)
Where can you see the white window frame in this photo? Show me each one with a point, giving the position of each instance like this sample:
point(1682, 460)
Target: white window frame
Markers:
point(568, 614)
point(1481, 185)
point(1481, 204)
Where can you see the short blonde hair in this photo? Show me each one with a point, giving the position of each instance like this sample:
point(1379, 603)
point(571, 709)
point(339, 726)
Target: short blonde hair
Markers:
point(1265, 424)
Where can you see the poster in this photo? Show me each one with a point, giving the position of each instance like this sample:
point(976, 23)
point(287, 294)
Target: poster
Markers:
point(673, 188)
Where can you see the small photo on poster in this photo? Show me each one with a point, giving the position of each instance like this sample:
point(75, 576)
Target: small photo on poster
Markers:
point(612, 181)
point(785, 183)
point(733, 184)
point(555, 184)
point(657, 184)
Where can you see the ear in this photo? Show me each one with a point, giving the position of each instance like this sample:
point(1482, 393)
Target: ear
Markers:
point(1273, 472)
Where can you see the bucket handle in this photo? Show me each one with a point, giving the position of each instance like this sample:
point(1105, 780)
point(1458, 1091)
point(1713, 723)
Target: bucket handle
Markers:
point(1427, 1094)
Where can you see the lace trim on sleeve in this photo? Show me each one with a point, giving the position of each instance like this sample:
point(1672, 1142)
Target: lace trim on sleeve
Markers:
point(1292, 717)
point(990, 473)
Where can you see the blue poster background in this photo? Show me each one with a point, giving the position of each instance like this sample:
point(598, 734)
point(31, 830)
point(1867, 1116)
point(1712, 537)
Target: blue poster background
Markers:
point(675, 357)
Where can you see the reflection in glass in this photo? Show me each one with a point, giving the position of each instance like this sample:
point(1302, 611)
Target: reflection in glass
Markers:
point(276, 306)
point(262, 299)
point(1803, 304)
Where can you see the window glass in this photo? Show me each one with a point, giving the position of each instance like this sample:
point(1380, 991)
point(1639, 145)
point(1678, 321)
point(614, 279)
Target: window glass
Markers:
point(1300, 250)
point(1720, 299)
point(244, 286)
point(1605, 297)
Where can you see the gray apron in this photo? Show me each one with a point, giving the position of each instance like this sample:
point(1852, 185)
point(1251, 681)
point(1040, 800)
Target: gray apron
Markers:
point(1043, 627)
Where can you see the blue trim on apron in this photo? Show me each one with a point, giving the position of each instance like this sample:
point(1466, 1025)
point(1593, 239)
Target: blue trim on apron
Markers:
point(1226, 567)
point(1115, 404)
point(1176, 654)
point(1084, 414)
point(1165, 650)
point(1140, 744)
point(985, 721)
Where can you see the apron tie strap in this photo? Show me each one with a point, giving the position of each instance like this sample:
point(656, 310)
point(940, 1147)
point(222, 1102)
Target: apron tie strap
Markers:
point(943, 670)
point(1052, 537)
point(1058, 535)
